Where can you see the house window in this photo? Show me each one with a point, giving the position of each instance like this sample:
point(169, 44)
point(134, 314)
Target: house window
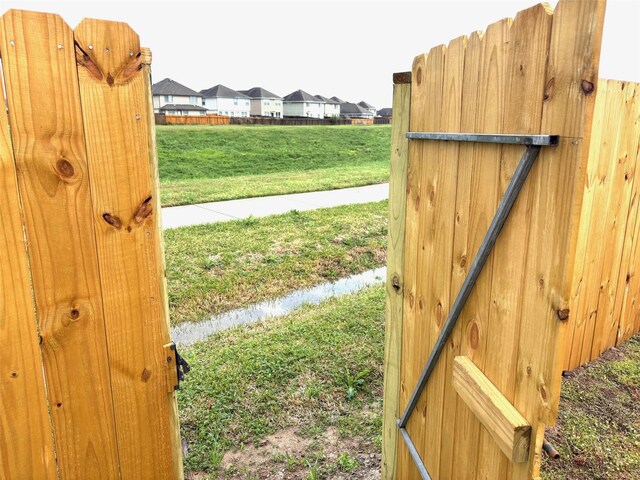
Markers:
point(193, 100)
point(168, 98)
point(235, 102)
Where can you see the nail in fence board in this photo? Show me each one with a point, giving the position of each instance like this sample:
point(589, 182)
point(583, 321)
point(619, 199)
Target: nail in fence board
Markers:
point(536, 74)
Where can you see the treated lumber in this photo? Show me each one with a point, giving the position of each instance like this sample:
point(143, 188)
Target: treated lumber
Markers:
point(395, 276)
point(571, 78)
point(113, 73)
point(39, 67)
point(26, 439)
point(510, 430)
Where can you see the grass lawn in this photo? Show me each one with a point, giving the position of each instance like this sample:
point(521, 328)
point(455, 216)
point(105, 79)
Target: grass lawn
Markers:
point(209, 163)
point(218, 267)
point(300, 394)
point(598, 429)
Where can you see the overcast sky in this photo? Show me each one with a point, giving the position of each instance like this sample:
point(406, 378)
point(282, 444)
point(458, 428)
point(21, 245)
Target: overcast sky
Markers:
point(347, 48)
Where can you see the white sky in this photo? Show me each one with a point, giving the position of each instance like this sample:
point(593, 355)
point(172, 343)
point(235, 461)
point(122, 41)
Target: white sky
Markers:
point(347, 48)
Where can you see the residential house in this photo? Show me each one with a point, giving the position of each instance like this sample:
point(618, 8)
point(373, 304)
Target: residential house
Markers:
point(264, 103)
point(173, 98)
point(385, 112)
point(367, 106)
point(303, 104)
point(352, 110)
point(331, 107)
point(339, 100)
point(221, 100)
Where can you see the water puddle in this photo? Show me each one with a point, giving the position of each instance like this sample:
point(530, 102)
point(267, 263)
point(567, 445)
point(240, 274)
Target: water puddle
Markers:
point(186, 334)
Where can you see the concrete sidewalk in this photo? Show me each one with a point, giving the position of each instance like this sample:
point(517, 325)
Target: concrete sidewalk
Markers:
point(173, 217)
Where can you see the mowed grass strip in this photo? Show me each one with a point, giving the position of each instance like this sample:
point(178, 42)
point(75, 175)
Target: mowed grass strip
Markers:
point(218, 267)
point(316, 368)
point(209, 163)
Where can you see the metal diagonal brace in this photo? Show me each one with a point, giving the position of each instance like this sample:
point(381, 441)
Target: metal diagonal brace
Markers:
point(506, 204)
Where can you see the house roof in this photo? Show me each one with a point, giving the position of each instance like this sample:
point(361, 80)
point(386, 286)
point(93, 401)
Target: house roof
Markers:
point(339, 100)
point(220, 91)
point(385, 112)
point(347, 108)
point(301, 96)
point(171, 87)
point(364, 104)
point(326, 100)
point(259, 92)
point(176, 106)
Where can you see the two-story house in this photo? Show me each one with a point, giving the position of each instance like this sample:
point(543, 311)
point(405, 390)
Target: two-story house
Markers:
point(303, 104)
point(221, 100)
point(264, 103)
point(368, 107)
point(331, 107)
point(173, 98)
point(352, 110)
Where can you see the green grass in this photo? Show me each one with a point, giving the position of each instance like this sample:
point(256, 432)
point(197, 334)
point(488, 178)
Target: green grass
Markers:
point(598, 431)
point(217, 267)
point(247, 383)
point(199, 164)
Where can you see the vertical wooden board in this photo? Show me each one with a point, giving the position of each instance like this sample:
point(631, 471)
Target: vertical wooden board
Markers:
point(410, 343)
point(567, 111)
point(466, 428)
point(623, 223)
point(621, 185)
point(579, 316)
point(523, 79)
point(440, 394)
point(26, 439)
point(425, 419)
point(395, 277)
point(48, 141)
point(117, 117)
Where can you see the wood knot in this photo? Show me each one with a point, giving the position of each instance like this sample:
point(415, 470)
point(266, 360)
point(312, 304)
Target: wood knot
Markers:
point(109, 80)
point(528, 370)
point(395, 282)
point(587, 87)
point(419, 76)
point(563, 314)
point(463, 261)
point(112, 220)
point(14, 374)
point(144, 210)
point(146, 375)
point(74, 314)
point(474, 336)
point(65, 168)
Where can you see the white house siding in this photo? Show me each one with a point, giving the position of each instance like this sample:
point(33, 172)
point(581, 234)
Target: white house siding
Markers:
point(229, 107)
point(331, 110)
point(304, 109)
point(160, 101)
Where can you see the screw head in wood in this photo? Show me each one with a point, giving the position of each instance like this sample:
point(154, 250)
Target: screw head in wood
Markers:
point(59, 46)
point(138, 117)
point(107, 50)
point(12, 43)
point(90, 47)
point(131, 53)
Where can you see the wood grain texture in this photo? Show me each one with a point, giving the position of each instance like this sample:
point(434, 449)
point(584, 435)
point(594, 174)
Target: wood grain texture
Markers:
point(502, 421)
point(532, 75)
point(115, 96)
point(395, 277)
point(48, 142)
point(604, 261)
point(26, 438)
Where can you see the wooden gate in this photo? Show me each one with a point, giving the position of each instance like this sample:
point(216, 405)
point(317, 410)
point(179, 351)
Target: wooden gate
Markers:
point(87, 374)
point(497, 383)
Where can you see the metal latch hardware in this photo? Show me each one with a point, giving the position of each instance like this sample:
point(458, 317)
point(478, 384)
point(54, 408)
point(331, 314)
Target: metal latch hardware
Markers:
point(177, 367)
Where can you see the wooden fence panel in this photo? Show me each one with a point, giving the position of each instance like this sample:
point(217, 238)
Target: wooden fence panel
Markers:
point(48, 140)
point(26, 439)
point(89, 371)
point(602, 315)
point(534, 75)
point(114, 77)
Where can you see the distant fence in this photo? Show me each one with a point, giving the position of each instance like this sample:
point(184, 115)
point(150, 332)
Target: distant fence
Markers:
point(162, 119)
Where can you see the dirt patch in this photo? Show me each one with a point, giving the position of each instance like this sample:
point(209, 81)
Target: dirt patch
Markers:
point(289, 455)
